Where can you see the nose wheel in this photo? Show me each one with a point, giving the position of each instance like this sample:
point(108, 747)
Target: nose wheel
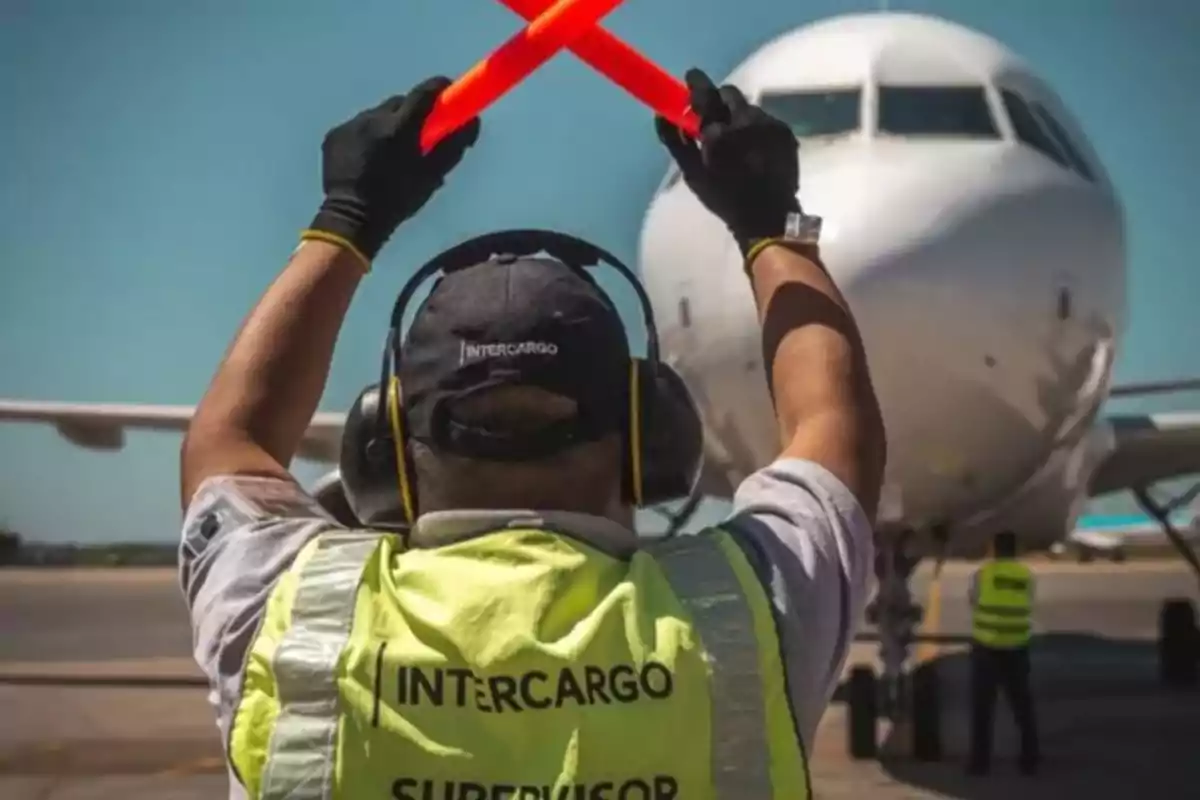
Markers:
point(1178, 644)
point(1178, 633)
point(909, 700)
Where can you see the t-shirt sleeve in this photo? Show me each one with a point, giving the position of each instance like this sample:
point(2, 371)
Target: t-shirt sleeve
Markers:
point(239, 535)
point(812, 546)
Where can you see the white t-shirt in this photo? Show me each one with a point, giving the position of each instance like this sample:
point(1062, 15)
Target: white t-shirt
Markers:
point(802, 529)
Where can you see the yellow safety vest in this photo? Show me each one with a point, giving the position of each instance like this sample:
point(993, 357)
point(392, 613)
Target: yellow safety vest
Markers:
point(520, 664)
point(1003, 605)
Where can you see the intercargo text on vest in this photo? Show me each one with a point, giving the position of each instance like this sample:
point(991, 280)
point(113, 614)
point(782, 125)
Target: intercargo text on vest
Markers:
point(533, 690)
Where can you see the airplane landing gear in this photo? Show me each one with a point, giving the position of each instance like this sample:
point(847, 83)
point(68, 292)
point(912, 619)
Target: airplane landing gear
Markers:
point(910, 702)
point(1178, 634)
point(1178, 644)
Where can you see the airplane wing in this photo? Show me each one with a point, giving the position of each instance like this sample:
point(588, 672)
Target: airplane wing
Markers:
point(1155, 387)
point(1147, 448)
point(99, 426)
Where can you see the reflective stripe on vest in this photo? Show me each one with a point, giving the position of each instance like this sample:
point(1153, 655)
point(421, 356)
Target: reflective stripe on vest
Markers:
point(703, 580)
point(303, 746)
point(1001, 617)
point(304, 742)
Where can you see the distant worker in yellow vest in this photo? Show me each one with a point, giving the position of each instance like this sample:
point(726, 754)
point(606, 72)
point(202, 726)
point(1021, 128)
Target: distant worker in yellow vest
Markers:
point(491, 627)
point(1001, 593)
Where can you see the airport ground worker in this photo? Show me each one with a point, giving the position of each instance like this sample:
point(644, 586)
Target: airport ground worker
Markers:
point(1001, 594)
point(496, 630)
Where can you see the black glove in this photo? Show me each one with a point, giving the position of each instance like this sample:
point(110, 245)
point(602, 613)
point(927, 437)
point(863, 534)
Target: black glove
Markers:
point(374, 173)
point(745, 170)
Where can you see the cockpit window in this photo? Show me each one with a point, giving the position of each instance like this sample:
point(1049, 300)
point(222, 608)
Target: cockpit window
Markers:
point(1028, 129)
point(935, 111)
point(1064, 141)
point(821, 113)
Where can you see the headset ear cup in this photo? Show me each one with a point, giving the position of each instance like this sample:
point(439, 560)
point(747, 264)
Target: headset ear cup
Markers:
point(671, 436)
point(369, 467)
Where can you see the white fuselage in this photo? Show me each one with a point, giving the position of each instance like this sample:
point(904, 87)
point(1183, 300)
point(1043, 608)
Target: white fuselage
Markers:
point(988, 282)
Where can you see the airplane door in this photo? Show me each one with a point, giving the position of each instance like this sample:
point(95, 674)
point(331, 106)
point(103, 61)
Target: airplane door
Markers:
point(1079, 359)
point(681, 337)
point(1064, 303)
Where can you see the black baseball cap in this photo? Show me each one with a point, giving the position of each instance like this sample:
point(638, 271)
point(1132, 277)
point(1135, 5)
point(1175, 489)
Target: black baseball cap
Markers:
point(514, 321)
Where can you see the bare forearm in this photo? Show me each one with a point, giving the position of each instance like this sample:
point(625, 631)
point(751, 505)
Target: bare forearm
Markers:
point(254, 415)
point(817, 369)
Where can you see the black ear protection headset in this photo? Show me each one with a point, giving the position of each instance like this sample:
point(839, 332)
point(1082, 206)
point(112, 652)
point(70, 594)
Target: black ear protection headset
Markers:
point(663, 442)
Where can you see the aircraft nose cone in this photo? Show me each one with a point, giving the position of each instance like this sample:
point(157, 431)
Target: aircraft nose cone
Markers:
point(952, 259)
point(917, 236)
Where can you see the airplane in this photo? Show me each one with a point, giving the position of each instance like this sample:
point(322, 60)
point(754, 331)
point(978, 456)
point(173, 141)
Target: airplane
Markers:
point(980, 243)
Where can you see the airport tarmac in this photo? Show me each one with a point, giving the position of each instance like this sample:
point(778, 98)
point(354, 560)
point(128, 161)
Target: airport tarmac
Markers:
point(99, 696)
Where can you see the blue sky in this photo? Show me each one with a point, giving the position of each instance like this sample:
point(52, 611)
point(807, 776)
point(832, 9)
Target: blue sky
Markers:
point(157, 160)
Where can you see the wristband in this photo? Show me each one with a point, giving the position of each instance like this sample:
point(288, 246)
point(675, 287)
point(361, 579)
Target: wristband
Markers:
point(333, 238)
point(802, 246)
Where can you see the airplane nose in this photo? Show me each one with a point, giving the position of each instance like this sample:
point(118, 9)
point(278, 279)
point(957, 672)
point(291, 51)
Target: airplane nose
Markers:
point(954, 259)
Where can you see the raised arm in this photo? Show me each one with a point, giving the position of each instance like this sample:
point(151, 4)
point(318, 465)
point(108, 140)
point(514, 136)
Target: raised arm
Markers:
point(745, 169)
point(817, 370)
point(254, 414)
point(804, 520)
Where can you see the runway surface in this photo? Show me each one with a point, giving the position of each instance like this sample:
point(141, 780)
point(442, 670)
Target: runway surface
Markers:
point(74, 644)
point(62, 616)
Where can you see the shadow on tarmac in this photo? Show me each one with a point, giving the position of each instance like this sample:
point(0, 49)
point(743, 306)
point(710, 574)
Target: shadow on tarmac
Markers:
point(1108, 728)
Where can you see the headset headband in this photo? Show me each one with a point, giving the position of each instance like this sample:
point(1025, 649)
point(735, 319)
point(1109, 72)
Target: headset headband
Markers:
point(520, 242)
